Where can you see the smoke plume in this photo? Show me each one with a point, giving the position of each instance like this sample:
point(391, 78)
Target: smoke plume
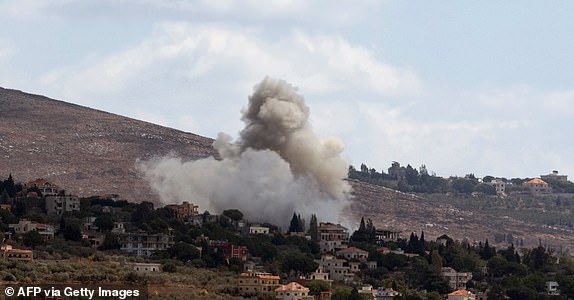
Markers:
point(277, 166)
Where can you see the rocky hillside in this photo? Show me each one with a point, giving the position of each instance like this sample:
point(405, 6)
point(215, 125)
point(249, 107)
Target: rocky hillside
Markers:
point(87, 151)
point(390, 209)
point(91, 152)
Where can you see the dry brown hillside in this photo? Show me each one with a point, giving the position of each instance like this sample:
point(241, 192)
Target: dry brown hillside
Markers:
point(91, 152)
point(87, 151)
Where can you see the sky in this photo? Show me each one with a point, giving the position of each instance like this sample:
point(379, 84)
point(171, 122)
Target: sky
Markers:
point(483, 87)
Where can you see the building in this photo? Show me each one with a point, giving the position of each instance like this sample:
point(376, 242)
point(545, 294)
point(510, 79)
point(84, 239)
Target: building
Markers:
point(184, 211)
point(386, 235)
point(337, 268)
point(499, 185)
point(252, 283)
point(396, 171)
point(461, 295)
point(58, 204)
point(332, 237)
point(145, 267)
point(16, 254)
point(319, 274)
point(143, 243)
point(456, 280)
point(24, 226)
point(386, 294)
point(45, 187)
point(554, 176)
point(258, 230)
point(537, 186)
point(230, 250)
point(353, 253)
point(551, 288)
point(444, 240)
point(293, 291)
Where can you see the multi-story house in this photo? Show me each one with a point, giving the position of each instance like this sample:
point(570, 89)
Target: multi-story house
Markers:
point(353, 253)
point(184, 211)
point(230, 250)
point(143, 243)
point(332, 237)
point(293, 291)
point(338, 269)
point(456, 280)
point(252, 283)
point(58, 204)
point(537, 186)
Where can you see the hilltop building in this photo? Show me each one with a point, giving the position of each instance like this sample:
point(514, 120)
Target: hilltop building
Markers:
point(537, 186)
point(554, 176)
point(499, 185)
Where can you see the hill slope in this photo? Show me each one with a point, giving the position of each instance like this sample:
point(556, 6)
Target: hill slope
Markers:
point(90, 152)
point(84, 150)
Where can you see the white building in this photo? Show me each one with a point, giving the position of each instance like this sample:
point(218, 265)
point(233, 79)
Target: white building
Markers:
point(293, 291)
point(258, 230)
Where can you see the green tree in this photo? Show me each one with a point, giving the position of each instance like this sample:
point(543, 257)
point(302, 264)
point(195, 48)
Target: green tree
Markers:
point(317, 286)
point(72, 231)
point(104, 222)
point(32, 239)
point(233, 214)
point(298, 263)
point(294, 225)
point(313, 228)
point(110, 242)
point(183, 251)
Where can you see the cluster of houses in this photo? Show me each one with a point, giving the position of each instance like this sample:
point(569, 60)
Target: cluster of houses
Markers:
point(535, 186)
point(338, 263)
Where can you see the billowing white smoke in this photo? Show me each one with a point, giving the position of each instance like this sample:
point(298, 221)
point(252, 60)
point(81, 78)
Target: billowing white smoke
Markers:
point(278, 166)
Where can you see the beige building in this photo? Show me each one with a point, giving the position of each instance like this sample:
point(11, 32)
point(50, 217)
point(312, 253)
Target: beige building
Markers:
point(252, 283)
point(353, 253)
point(456, 280)
point(45, 230)
point(537, 186)
point(338, 269)
point(499, 186)
point(16, 254)
point(332, 237)
point(293, 291)
point(145, 267)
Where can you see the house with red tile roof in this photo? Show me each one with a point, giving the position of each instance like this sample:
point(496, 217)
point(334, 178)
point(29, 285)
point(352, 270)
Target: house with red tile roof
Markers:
point(537, 186)
point(461, 295)
point(293, 291)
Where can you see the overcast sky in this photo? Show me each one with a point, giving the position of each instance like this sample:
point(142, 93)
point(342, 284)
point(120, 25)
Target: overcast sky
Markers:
point(461, 86)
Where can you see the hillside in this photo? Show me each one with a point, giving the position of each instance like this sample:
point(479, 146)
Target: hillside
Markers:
point(437, 215)
point(87, 151)
point(91, 152)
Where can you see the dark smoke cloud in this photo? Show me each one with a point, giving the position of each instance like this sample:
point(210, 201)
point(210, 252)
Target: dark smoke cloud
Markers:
point(277, 166)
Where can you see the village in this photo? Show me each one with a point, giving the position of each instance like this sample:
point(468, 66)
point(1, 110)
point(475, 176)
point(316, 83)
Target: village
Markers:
point(326, 261)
